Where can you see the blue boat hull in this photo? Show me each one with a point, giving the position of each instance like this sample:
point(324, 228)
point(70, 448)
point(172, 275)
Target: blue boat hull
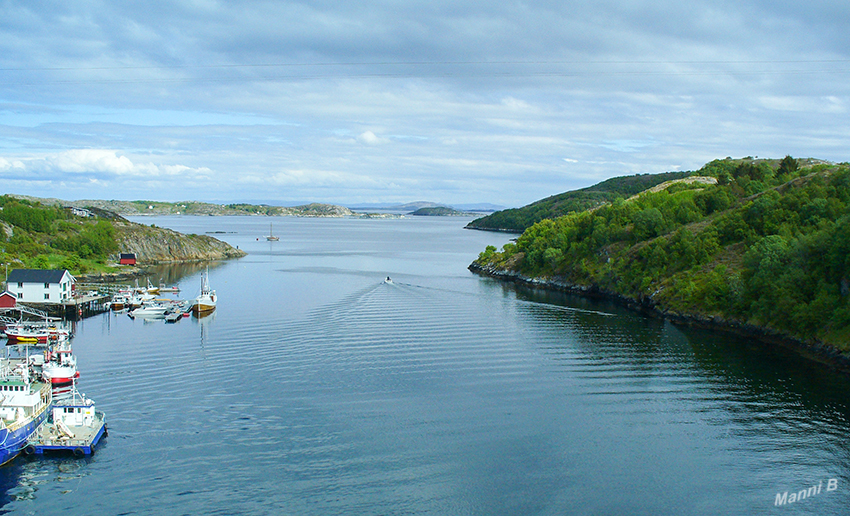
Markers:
point(12, 442)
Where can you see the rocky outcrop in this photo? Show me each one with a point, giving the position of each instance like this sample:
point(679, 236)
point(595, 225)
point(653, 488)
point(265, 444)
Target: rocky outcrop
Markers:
point(160, 245)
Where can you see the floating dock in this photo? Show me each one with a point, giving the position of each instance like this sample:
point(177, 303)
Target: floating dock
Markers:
point(74, 426)
point(57, 437)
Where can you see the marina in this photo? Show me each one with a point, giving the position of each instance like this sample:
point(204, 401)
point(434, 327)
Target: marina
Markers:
point(41, 409)
point(319, 387)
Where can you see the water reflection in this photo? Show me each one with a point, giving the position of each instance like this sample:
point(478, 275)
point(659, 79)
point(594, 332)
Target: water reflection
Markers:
point(777, 416)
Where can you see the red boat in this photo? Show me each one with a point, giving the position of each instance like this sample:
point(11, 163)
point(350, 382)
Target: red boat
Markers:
point(28, 334)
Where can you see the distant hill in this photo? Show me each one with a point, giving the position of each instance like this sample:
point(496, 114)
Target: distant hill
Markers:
point(518, 219)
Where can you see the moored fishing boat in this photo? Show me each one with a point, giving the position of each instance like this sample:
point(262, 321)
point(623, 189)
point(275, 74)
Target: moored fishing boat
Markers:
point(23, 407)
point(206, 301)
point(60, 365)
point(120, 300)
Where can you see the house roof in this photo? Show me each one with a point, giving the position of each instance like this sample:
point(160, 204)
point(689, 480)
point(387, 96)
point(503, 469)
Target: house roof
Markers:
point(9, 294)
point(37, 276)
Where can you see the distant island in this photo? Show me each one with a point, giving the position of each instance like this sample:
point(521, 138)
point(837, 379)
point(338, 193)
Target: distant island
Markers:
point(758, 246)
point(160, 208)
point(441, 211)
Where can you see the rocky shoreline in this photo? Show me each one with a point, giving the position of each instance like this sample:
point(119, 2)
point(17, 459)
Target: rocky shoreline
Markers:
point(813, 350)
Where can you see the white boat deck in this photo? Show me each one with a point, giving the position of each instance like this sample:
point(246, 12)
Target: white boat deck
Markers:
point(49, 437)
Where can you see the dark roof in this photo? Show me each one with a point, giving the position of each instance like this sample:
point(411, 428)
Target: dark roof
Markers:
point(36, 276)
point(128, 255)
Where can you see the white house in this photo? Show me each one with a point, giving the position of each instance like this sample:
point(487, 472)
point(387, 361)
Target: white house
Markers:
point(41, 286)
point(79, 212)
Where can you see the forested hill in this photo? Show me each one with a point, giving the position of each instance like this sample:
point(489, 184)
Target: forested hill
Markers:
point(518, 219)
point(766, 247)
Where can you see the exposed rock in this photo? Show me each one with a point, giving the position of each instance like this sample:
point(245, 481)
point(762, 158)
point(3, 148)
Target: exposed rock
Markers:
point(158, 245)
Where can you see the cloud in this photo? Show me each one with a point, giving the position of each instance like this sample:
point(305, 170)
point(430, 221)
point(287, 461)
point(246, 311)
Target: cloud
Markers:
point(10, 165)
point(96, 164)
point(329, 100)
point(369, 138)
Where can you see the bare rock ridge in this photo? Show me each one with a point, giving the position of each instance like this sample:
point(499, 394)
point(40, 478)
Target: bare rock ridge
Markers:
point(160, 245)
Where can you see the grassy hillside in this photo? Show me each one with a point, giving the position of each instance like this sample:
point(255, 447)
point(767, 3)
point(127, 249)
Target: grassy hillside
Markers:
point(43, 237)
point(768, 245)
point(519, 219)
point(48, 236)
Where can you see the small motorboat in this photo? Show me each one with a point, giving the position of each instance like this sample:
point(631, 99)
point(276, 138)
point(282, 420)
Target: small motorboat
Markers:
point(149, 310)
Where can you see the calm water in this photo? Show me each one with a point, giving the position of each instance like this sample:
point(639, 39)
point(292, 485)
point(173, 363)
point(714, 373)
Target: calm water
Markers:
point(317, 388)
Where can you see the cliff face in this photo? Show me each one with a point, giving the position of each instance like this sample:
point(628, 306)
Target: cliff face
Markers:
point(159, 245)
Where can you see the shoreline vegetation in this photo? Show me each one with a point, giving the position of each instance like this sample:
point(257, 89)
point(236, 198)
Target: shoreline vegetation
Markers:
point(753, 246)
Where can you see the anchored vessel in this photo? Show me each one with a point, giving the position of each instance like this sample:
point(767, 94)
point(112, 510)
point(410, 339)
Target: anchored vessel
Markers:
point(24, 405)
point(205, 302)
point(271, 237)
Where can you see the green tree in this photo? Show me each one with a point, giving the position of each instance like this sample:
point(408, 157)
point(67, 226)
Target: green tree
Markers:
point(787, 167)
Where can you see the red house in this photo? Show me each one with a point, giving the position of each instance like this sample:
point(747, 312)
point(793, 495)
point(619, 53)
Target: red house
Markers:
point(127, 259)
point(8, 300)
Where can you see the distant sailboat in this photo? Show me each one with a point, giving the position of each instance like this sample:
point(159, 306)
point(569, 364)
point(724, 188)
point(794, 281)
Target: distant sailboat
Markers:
point(271, 237)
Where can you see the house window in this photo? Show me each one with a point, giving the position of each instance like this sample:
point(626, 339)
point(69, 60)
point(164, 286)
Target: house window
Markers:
point(20, 284)
point(46, 296)
point(47, 285)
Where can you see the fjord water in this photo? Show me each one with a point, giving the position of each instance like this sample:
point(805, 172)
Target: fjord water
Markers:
point(319, 388)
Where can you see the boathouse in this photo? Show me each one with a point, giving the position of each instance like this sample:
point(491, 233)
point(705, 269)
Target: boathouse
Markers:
point(41, 286)
point(127, 259)
point(8, 300)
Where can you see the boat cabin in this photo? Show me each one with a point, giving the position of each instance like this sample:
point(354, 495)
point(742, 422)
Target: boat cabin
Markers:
point(21, 399)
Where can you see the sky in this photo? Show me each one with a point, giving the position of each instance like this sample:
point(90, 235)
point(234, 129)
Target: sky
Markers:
point(394, 101)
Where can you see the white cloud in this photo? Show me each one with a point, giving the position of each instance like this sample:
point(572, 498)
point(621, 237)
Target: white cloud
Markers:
point(328, 100)
point(97, 164)
point(370, 138)
point(10, 165)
